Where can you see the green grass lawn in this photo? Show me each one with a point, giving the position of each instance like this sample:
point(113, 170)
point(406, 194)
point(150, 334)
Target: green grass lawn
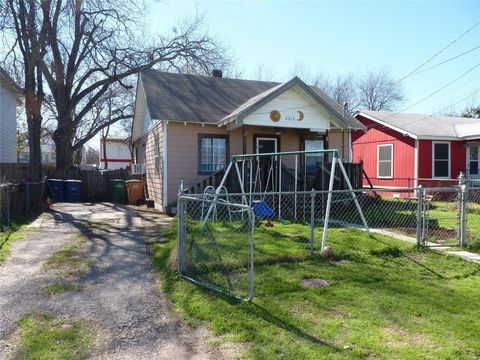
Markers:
point(46, 337)
point(386, 299)
point(12, 233)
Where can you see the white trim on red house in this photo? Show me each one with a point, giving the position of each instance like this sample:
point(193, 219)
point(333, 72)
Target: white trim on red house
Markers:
point(415, 163)
point(378, 161)
point(403, 132)
point(449, 159)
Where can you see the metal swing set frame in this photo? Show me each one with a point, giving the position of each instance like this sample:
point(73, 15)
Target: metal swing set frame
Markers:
point(247, 200)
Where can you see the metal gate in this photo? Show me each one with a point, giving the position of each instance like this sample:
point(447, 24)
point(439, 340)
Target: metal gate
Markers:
point(215, 245)
point(441, 216)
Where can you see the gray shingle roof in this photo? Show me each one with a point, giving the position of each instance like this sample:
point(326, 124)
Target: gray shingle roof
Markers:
point(7, 81)
point(429, 126)
point(211, 99)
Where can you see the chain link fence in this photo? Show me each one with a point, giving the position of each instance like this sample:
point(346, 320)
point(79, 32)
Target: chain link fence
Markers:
point(441, 218)
point(471, 222)
point(217, 232)
point(215, 245)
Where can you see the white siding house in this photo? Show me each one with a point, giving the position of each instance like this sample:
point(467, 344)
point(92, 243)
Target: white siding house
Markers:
point(9, 93)
point(118, 154)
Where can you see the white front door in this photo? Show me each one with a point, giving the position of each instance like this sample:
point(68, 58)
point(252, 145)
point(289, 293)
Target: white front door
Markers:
point(266, 145)
point(472, 162)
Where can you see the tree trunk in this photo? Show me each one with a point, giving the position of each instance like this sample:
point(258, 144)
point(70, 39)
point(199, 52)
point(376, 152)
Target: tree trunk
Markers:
point(64, 150)
point(63, 139)
point(34, 134)
point(104, 152)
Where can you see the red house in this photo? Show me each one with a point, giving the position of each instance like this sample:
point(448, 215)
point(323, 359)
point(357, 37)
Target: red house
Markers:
point(408, 150)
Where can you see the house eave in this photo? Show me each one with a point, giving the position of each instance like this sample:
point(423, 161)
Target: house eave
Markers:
point(439, 138)
point(397, 129)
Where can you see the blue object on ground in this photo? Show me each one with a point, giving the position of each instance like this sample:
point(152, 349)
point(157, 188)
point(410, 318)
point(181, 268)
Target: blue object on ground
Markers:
point(262, 210)
point(73, 190)
point(56, 189)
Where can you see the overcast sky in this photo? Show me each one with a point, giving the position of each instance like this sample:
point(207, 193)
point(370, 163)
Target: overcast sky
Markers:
point(347, 37)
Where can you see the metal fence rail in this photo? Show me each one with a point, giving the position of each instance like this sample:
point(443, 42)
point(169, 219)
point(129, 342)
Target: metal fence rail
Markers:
point(218, 255)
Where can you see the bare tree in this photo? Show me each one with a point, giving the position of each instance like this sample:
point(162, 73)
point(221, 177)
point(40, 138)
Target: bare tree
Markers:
point(343, 89)
point(94, 44)
point(91, 155)
point(104, 137)
point(471, 111)
point(25, 32)
point(302, 71)
point(379, 91)
point(263, 72)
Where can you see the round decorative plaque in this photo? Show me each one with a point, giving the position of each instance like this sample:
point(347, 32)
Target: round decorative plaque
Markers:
point(275, 115)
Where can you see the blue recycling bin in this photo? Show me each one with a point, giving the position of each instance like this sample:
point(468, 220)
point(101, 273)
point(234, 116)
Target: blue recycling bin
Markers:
point(262, 210)
point(56, 189)
point(73, 190)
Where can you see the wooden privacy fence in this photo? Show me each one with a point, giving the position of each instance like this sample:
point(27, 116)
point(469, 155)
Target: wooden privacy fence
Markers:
point(20, 199)
point(96, 184)
point(16, 173)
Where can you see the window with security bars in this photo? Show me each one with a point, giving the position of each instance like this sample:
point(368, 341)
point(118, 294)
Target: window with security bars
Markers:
point(213, 153)
point(385, 161)
point(441, 160)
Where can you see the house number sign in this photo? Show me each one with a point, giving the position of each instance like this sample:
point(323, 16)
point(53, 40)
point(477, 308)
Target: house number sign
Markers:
point(275, 116)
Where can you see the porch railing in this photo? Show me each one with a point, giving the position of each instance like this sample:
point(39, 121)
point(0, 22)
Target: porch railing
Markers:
point(317, 180)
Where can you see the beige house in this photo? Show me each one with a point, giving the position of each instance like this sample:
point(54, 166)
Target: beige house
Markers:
point(187, 127)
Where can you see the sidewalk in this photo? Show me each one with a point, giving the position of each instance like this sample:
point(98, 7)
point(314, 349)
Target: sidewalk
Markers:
point(466, 255)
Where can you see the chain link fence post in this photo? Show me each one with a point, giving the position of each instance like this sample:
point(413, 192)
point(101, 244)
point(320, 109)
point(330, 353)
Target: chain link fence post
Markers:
point(251, 285)
point(181, 235)
point(463, 214)
point(462, 209)
point(420, 199)
point(312, 220)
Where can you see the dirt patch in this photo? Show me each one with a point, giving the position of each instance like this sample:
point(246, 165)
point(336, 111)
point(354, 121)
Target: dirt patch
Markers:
point(315, 283)
point(398, 337)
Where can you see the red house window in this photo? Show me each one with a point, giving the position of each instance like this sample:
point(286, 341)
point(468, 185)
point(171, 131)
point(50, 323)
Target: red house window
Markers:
point(441, 160)
point(385, 161)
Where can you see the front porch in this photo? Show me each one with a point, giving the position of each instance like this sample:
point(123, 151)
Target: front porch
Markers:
point(281, 173)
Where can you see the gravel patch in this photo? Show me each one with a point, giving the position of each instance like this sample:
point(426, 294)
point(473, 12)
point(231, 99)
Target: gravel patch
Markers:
point(119, 296)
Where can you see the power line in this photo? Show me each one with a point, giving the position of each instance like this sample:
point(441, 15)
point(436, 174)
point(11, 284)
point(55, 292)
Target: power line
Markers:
point(436, 91)
point(456, 103)
point(379, 126)
point(439, 52)
point(462, 86)
point(445, 61)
